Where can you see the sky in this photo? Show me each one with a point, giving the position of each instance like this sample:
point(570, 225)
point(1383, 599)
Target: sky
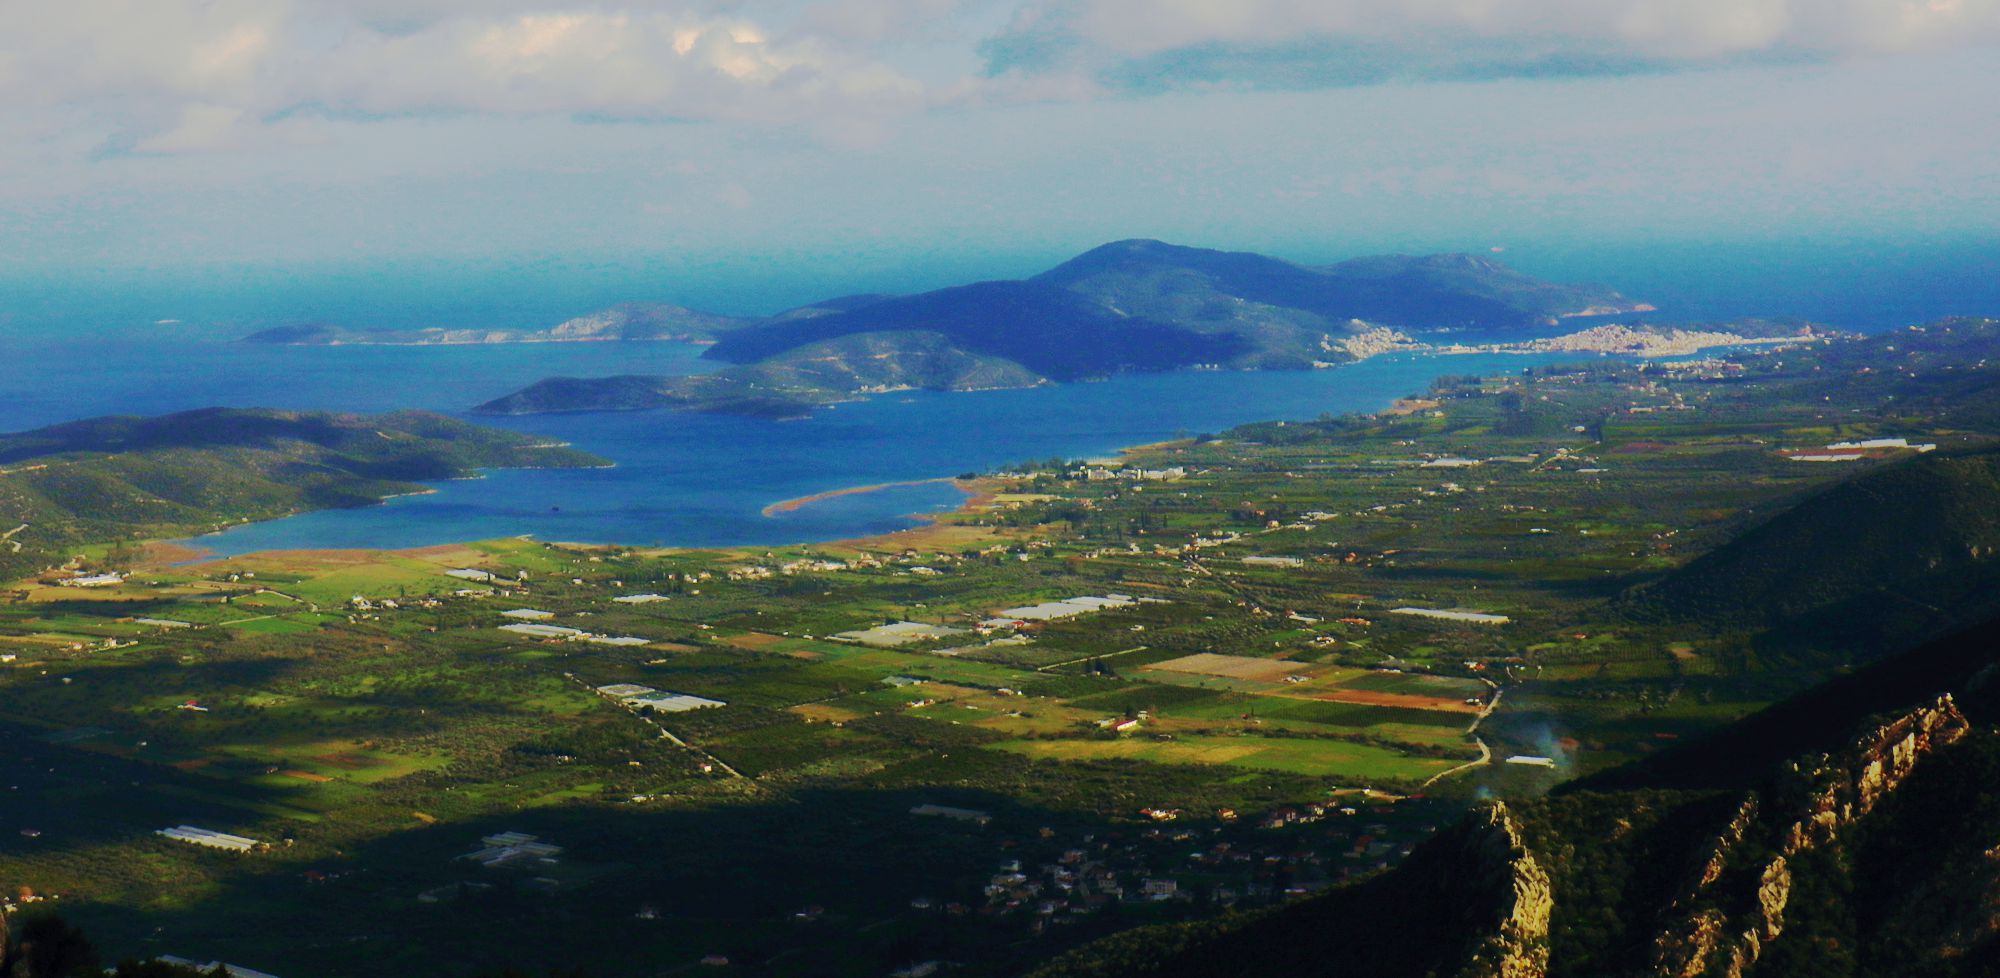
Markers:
point(731, 139)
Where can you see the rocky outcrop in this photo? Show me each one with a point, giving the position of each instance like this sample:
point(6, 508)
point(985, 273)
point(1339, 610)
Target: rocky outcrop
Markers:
point(1844, 787)
point(1734, 904)
point(1685, 950)
point(1517, 944)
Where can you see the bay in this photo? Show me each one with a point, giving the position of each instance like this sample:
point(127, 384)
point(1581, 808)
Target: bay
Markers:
point(680, 479)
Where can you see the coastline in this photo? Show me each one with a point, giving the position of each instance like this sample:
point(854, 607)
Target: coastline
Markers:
point(797, 503)
point(1124, 454)
point(979, 494)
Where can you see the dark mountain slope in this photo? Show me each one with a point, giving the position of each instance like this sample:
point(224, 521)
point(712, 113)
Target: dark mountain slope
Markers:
point(1452, 901)
point(1474, 283)
point(1050, 331)
point(1125, 306)
point(1962, 664)
point(375, 439)
point(1892, 555)
point(1153, 278)
point(837, 304)
point(1152, 286)
point(787, 385)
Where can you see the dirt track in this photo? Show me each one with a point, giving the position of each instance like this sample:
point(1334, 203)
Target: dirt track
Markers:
point(1367, 697)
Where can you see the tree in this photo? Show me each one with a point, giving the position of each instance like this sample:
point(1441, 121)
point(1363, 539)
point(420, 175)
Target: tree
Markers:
point(48, 947)
point(161, 969)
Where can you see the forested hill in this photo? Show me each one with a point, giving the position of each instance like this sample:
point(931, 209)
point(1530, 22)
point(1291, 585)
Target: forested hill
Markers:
point(1908, 550)
point(120, 478)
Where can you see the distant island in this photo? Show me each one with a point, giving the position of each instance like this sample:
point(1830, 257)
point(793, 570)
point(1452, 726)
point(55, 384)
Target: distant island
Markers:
point(629, 321)
point(1127, 306)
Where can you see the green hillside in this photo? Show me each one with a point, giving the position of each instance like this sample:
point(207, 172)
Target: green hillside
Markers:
point(787, 385)
point(120, 478)
point(1893, 554)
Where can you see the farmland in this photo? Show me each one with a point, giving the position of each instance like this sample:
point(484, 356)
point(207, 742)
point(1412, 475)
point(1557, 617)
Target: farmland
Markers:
point(1132, 667)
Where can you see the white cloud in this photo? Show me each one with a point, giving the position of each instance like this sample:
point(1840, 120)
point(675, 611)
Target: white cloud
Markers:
point(176, 76)
point(1465, 38)
point(180, 75)
point(1668, 28)
point(617, 64)
point(201, 126)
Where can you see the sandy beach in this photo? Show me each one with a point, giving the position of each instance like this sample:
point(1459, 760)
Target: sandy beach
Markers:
point(801, 502)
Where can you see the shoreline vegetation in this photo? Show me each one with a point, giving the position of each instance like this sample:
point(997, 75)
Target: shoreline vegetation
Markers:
point(1605, 340)
point(190, 473)
point(980, 493)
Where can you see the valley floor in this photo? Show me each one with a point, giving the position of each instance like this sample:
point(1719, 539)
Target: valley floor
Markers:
point(1215, 673)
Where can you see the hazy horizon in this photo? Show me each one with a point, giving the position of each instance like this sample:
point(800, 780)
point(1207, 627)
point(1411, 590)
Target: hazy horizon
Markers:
point(1862, 284)
point(787, 148)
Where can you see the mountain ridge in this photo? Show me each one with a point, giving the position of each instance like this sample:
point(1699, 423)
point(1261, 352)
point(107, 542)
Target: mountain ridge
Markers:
point(1133, 305)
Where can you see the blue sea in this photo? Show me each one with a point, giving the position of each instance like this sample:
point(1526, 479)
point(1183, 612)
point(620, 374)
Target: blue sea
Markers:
point(680, 478)
point(74, 351)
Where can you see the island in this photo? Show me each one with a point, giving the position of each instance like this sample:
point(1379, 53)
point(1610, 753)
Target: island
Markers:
point(627, 321)
point(1135, 305)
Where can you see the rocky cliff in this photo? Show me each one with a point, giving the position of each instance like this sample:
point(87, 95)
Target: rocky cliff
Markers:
point(1736, 902)
point(1874, 859)
point(1517, 891)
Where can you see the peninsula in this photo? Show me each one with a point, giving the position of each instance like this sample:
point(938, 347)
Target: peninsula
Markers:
point(1126, 306)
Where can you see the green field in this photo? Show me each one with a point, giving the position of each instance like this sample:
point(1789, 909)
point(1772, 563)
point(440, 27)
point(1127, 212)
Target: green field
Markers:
point(1315, 758)
point(372, 742)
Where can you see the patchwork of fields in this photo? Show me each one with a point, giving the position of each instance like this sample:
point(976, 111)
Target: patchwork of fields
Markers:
point(1083, 659)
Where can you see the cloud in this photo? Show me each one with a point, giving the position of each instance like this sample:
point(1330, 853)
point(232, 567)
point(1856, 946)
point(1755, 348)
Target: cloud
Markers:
point(1141, 45)
point(201, 126)
point(180, 75)
point(656, 66)
point(168, 77)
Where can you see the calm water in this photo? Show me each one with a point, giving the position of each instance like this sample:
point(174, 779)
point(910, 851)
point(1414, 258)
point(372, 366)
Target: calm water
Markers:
point(84, 349)
point(680, 478)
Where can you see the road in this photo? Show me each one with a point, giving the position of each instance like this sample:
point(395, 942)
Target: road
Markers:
point(1070, 662)
point(665, 733)
point(1485, 752)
